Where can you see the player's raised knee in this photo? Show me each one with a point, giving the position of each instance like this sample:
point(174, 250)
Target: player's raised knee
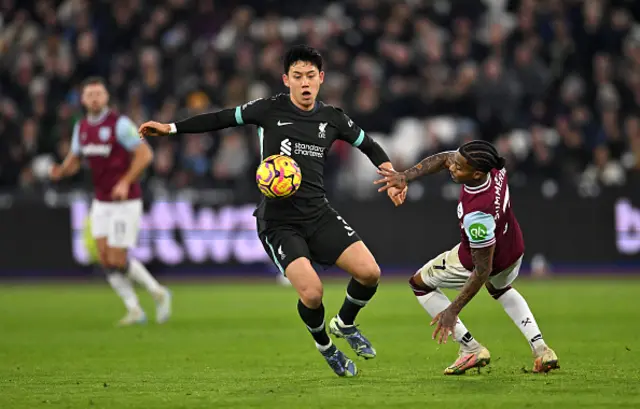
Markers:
point(367, 273)
point(418, 286)
point(117, 259)
point(103, 258)
point(311, 297)
point(496, 292)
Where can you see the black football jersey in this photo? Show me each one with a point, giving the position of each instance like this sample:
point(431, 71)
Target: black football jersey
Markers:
point(305, 136)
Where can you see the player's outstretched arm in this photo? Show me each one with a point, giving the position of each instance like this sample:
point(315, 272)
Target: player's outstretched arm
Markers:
point(379, 157)
point(353, 134)
point(483, 264)
point(480, 229)
point(208, 122)
point(447, 319)
point(69, 167)
point(428, 166)
point(211, 121)
point(71, 164)
point(252, 112)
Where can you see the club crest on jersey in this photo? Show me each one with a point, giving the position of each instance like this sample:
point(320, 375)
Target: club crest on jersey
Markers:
point(104, 133)
point(460, 210)
point(322, 130)
point(83, 136)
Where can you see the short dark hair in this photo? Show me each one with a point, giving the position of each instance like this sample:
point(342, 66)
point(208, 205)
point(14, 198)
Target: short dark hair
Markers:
point(302, 53)
point(482, 156)
point(95, 80)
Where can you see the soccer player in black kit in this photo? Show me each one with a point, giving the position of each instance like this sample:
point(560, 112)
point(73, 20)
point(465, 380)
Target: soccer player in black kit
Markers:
point(304, 227)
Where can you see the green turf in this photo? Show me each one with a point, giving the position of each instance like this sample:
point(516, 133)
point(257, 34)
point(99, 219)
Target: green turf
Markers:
point(243, 346)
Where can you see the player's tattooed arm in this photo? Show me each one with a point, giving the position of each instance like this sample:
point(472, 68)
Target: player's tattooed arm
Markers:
point(483, 264)
point(432, 164)
point(427, 166)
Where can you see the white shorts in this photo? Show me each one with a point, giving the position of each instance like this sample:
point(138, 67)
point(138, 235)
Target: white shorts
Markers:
point(446, 271)
point(119, 222)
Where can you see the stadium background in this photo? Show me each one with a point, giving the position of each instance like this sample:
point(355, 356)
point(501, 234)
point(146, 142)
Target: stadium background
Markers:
point(555, 85)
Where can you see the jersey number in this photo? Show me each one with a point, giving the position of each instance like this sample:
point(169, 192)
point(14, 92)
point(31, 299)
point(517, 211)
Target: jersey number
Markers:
point(120, 229)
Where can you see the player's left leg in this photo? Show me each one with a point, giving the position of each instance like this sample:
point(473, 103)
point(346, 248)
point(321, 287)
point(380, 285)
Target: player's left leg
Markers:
point(514, 304)
point(100, 216)
point(124, 227)
point(446, 271)
point(122, 285)
point(335, 242)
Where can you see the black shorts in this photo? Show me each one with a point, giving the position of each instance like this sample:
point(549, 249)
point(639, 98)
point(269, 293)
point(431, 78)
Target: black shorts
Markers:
point(321, 239)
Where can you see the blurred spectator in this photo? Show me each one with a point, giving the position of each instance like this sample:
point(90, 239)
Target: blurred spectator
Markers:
point(231, 161)
point(555, 84)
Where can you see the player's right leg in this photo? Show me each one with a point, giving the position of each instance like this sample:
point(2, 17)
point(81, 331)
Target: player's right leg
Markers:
point(333, 242)
point(100, 216)
point(514, 304)
point(446, 271)
point(124, 226)
point(289, 252)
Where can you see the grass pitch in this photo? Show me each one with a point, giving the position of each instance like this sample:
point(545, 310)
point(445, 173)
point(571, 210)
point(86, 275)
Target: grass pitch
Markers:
point(243, 346)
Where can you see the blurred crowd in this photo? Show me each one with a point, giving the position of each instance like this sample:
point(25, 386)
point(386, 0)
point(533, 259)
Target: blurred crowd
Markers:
point(554, 83)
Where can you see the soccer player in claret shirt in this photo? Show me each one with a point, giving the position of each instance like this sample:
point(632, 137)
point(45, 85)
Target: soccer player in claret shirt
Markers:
point(490, 253)
point(117, 157)
point(304, 227)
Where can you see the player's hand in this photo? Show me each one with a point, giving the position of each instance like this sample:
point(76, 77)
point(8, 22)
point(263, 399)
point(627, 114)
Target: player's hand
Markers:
point(392, 179)
point(55, 173)
point(120, 191)
point(445, 324)
point(152, 128)
point(397, 195)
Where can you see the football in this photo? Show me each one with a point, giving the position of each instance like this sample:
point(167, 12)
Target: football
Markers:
point(278, 176)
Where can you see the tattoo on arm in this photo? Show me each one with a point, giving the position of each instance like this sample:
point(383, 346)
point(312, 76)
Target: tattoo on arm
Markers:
point(429, 165)
point(483, 264)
